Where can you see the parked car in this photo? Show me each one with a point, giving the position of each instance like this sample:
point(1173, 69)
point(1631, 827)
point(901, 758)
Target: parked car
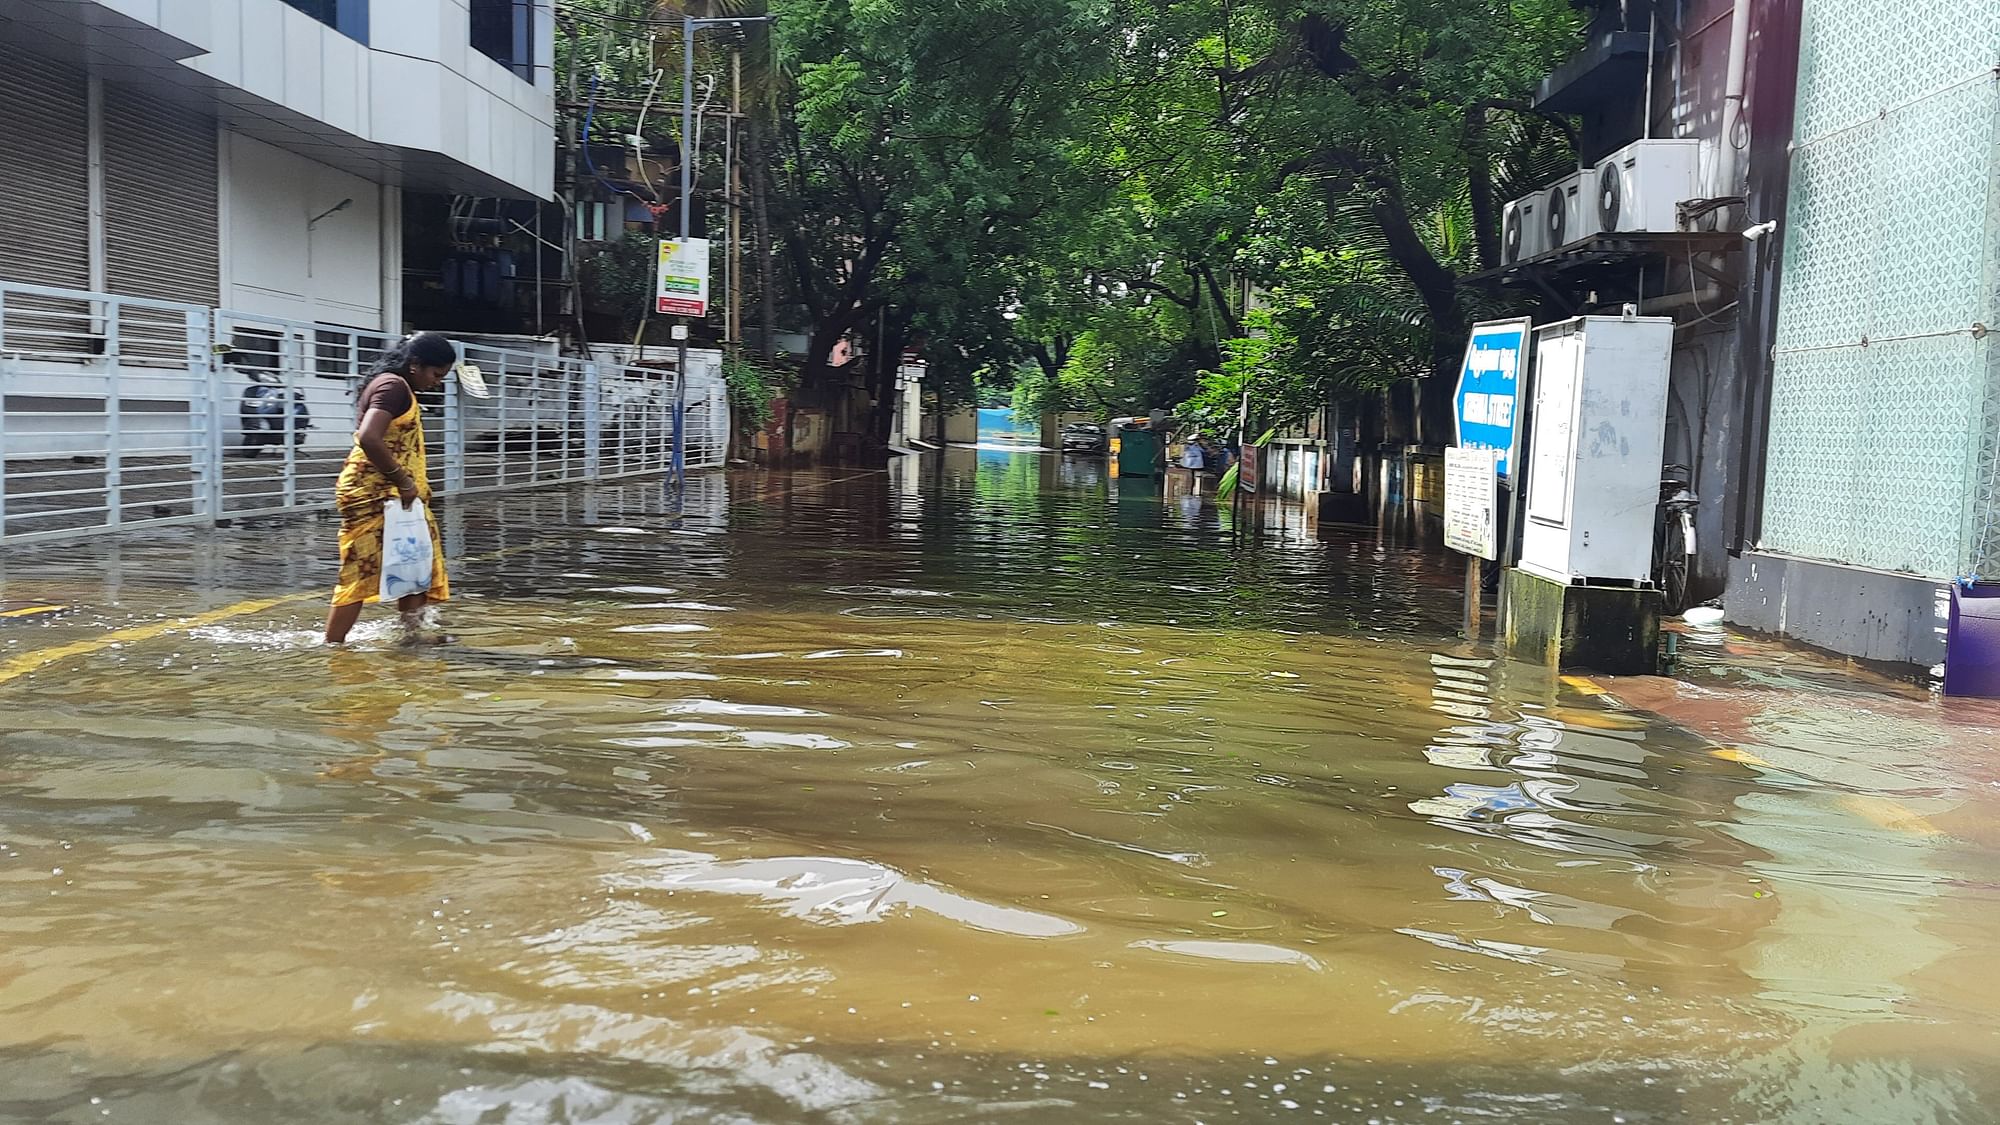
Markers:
point(1085, 437)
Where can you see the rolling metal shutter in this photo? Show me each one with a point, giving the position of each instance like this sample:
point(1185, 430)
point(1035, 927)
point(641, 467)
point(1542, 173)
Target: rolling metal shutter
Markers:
point(44, 172)
point(160, 228)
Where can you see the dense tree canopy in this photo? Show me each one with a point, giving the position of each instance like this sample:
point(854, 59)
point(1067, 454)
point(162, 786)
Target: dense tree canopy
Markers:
point(1075, 197)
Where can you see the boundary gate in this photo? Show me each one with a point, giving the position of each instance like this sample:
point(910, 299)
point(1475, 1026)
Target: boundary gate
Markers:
point(120, 412)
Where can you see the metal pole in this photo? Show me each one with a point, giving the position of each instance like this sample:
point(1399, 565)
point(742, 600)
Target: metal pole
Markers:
point(735, 203)
point(687, 119)
point(1472, 584)
point(687, 179)
point(114, 406)
point(95, 245)
point(1517, 480)
point(729, 231)
point(1652, 38)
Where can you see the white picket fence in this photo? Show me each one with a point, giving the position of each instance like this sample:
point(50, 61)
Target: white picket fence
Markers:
point(118, 412)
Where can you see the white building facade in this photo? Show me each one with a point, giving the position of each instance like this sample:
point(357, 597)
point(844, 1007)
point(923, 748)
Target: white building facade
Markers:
point(252, 154)
point(201, 234)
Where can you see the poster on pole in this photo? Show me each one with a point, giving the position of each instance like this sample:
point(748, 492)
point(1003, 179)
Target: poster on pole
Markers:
point(1485, 406)
point(683, 277)
point(1471, 501)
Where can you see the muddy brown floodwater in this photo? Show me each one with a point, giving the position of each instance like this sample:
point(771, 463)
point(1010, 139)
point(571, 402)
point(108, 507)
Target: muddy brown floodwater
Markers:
point(983, 790)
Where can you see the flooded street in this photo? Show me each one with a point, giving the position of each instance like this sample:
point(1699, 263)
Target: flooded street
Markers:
point(982, 790)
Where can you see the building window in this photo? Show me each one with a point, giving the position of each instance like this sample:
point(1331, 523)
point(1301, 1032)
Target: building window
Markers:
point(504, 31)
point(349, 17)
point(593, 222)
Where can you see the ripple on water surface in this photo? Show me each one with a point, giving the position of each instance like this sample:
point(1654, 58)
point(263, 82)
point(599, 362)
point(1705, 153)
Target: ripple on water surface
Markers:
point(987, 788)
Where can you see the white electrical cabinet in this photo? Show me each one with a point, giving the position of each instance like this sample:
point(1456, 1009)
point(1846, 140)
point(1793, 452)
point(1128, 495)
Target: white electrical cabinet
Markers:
point(1596, 440)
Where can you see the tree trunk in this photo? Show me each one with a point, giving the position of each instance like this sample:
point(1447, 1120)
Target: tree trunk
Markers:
point(1050, 363)
point(1230, 320)
point(849, 308)
point(1438, 287)
point(1479, 174)
point(826, 335)
point(760, 217)
point(1434, 283)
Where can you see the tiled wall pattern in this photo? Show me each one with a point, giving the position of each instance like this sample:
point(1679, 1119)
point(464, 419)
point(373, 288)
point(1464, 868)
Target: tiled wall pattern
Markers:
point(1884, 404)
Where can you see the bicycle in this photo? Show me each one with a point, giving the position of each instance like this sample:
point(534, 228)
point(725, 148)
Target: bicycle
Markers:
point(1673, 537)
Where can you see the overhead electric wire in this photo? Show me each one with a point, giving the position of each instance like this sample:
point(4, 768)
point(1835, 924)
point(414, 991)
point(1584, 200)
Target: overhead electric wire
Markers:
point(639, 130)
point(605, 21)
point(671, 20)
point(590, 115)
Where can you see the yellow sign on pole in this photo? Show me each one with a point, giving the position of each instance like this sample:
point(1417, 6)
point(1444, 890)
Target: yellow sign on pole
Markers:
point(683, 277)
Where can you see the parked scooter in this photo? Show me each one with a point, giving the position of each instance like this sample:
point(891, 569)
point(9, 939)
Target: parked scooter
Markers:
point(262, 413)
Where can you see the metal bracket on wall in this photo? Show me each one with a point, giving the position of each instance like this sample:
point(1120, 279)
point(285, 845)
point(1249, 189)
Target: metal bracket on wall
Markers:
point(1727, 279)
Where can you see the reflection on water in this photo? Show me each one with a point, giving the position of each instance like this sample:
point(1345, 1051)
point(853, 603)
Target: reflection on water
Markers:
point(1000, 429)
point(983, 788)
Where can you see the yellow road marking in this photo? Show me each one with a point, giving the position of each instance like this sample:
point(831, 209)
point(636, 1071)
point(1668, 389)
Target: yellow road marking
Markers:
point(33, 610)
point(1741, 757)
point(1599, 720)
point(16, 667)
point(1584, 685)
point(1891, 815)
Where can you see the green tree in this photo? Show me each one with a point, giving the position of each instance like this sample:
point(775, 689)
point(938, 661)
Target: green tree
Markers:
point(1384, 110)
point(1128, 292)
point(918, 146)
point(1065, 198)
point(622, 277)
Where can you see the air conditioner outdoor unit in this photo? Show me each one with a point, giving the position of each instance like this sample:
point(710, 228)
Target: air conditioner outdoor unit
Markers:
point(1641, 186)
point(1522, 235)
point(1565, 218)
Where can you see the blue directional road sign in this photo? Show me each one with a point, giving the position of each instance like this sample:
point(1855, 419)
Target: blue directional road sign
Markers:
point(1486, 407)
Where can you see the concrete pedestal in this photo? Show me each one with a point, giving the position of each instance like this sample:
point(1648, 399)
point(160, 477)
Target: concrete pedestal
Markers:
point(1606, 629)
point(1335, 508)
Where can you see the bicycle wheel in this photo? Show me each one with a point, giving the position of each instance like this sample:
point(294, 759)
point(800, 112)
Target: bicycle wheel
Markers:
point(1674, 582)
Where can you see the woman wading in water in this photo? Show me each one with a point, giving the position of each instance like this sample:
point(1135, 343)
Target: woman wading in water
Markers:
point(387, 463)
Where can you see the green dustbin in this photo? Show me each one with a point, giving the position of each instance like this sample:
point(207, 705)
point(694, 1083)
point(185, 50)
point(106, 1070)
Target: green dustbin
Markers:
point(1139, 453)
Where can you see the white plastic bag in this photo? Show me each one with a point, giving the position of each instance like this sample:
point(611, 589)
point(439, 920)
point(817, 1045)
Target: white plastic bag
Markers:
point(406, 550)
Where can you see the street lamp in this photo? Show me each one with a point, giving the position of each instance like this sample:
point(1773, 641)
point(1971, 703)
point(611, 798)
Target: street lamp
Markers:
point(689, 25)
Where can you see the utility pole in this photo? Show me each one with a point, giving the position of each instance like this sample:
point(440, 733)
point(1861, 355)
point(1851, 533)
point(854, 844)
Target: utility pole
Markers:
point(687, 198)
point(687, 127)
point(572, 281)
point(689, 25)
point(735, 200)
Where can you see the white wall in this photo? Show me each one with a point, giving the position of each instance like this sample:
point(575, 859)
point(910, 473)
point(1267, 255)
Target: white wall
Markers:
point(273, 265)
point(432, 91)
point(417, 84)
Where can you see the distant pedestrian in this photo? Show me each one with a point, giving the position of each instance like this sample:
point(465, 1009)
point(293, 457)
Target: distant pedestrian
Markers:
point(387, 464)
point(1194, 459)
point(1214, 458)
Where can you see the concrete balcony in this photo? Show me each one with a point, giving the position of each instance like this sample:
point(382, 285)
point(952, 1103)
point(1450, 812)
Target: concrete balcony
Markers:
point(433, 115)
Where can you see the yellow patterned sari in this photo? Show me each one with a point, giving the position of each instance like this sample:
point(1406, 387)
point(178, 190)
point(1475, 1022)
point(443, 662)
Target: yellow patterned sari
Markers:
point(359, 497)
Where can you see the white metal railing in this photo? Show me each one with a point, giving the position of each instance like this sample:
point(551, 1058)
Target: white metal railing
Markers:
point(118, 412)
